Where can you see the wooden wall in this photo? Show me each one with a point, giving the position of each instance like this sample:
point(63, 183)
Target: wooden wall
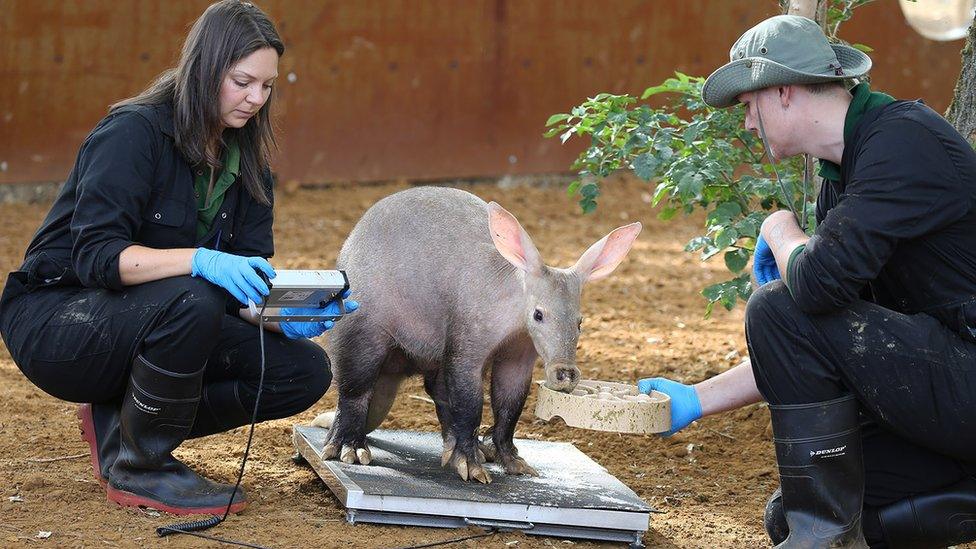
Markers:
point(416, 89)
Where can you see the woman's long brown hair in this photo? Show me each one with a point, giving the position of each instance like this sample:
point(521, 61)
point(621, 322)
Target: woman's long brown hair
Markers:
point(227, 32)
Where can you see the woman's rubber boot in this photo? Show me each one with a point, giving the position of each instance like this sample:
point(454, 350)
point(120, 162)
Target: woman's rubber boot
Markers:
point(774, 518)
point(220, 410)
point(157, 412)
point(818, 451)
point(100, 429)
point(935, 519)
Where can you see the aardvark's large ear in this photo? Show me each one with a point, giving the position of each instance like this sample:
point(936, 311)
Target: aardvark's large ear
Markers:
point(603, 257)
point(512, 241)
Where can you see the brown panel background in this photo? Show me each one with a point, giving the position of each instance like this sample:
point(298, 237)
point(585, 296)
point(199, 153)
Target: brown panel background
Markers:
point(418, 89)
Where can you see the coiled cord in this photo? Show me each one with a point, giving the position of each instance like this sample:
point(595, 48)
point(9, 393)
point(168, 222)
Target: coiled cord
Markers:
point(186, 527)
point(191, 528)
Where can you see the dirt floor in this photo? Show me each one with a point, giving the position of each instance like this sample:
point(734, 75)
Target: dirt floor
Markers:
point(709, 482)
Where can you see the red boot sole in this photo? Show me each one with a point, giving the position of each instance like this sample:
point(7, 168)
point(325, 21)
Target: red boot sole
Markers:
point(128, 499)
point(88, 435)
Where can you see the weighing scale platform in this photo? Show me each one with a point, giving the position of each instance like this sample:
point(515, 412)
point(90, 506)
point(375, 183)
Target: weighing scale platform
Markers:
point(574, 497)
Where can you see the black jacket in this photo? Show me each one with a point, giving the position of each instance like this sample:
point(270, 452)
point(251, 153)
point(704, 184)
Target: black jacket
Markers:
point(901, 222)
point(131, 185)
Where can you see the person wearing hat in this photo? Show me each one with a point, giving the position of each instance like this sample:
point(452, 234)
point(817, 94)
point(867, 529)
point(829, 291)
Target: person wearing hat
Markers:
point(862, 337)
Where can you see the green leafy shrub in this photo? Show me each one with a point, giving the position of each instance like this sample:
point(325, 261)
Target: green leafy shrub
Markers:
point(703, 160)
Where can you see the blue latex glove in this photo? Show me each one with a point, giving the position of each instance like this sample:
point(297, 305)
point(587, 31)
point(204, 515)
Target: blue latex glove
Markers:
point(763, 263)
point(234, 273)
point(685, 406)
point(305, 330)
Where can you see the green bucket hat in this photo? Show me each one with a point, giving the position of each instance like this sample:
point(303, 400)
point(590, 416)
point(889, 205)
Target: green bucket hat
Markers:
point(782, 50)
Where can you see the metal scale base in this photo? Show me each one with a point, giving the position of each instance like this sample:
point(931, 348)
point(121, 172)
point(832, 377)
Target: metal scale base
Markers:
point(574, 497)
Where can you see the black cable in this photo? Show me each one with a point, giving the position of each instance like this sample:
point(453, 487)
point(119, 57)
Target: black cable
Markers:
point(489, 532)
point(254, 416)
point(171, 530)
point(194, 526)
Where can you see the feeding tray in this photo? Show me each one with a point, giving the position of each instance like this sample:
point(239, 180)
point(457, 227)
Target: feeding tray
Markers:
point(606, 406)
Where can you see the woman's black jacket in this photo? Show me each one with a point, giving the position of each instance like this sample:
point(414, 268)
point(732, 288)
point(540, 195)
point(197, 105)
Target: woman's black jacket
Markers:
point(131, 185)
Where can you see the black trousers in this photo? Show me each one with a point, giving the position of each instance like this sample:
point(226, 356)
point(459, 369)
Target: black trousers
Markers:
point(78, 344)
point(914, 379)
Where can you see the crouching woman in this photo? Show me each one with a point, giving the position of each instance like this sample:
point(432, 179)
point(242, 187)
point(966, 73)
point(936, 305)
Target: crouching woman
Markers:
point(130, 295)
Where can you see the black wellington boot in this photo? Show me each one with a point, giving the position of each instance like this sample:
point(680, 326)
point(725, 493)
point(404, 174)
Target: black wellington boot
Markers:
point(220, 410)
point(158, 409)
point(818, 451)
point(100, 429)
point(935, 519)
point(774, 518)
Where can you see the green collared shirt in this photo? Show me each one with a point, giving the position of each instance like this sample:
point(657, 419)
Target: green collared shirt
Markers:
point(862, 101)
point(207, 207)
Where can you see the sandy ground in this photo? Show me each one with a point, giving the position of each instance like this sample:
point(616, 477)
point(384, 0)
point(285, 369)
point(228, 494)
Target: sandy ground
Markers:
point(709, 482)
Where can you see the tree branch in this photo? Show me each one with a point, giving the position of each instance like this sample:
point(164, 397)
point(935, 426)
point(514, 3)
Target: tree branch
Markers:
point(961, 111)
point(806, 8)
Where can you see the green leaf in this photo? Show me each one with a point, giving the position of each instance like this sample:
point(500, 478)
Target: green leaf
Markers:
point(590, 191)
point(654, 90)
point(645, 165)
point(697, 243)
point(736, 260)
point(725, 237)
point(637, 139)
point(557, 118)
point(728, 301)
point(863, 47)
point(835, 14)
point(723, 214)
point(710, 251)
point(690, 185)
point(667, 213)
point(743, 285)
point(691, 134)
point(713, 292)
point(573, 187)
point(727, 293)
point(747, 227)
point(662, 190)
point(618, 118)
